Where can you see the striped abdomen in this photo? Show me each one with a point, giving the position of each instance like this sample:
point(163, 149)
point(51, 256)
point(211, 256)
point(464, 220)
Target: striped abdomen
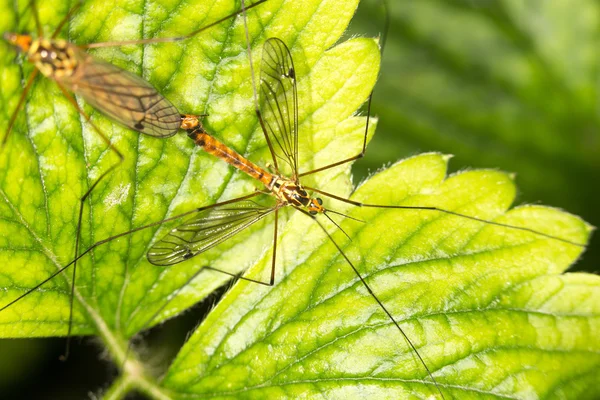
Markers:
point(218, 149)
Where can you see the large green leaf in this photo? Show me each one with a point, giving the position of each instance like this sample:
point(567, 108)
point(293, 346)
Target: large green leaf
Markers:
point(486, 306)
point(505, 83)
point(117, 287)
point(473, 298)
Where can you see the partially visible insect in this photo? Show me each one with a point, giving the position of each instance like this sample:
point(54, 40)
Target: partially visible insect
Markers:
point(120, 94)
point(213, 224)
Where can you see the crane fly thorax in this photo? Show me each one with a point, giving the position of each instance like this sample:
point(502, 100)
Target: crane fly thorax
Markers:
point(294, 194)
point(54, 58)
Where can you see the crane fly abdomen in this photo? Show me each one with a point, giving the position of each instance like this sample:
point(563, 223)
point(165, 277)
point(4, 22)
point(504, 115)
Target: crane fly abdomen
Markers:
point(120, 94)
point(212, 146)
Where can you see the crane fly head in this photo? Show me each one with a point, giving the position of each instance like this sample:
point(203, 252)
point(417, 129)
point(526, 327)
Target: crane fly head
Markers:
point(190, 122)
point(316, 206)
point(21, 42)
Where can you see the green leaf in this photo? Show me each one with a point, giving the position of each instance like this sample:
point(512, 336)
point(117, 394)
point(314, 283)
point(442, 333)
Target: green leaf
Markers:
point(117, 288)
point(473, 298)
point(506, 83)
point(485, 305)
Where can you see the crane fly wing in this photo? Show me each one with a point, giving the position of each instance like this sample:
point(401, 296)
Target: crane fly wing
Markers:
point(205, 230)
point(279, 102)
point(123, 96)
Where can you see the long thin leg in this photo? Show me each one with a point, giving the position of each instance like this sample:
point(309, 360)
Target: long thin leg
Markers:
point(171, 296)
point(174, 294)
point(87, 193)
point(166, 40)
point(65, 19)
point(82, 203)
point(450, 212)
point(360, 155)
point(89, 120)
point(111, 238)
point(178, 290)
point(386, 24)
point(255, 94)
point(36, 17)
point(77, 241)
point(379, 302)
point(274, 258)
point(239, 275)
point(354, 158)
point(13, 117)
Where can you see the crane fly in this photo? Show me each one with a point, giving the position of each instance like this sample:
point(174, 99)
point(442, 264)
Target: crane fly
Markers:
point(117, 93)
point(277, 111)
point(120, 94)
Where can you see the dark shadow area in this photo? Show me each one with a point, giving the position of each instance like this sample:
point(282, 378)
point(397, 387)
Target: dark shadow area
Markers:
point(32, 370)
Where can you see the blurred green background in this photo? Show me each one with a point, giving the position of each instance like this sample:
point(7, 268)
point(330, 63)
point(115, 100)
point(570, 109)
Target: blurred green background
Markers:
point(507, 84)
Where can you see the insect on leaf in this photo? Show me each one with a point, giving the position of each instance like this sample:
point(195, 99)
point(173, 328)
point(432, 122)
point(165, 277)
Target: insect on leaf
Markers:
point(53, 156)
point(485, 306)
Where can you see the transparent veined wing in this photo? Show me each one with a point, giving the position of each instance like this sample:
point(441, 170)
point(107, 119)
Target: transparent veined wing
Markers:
point(205, 230)
point(123, 96)
point(279, 103)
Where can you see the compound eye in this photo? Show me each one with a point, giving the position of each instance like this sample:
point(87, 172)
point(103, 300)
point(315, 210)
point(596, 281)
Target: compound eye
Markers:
point(312, 212)
point(319, 201)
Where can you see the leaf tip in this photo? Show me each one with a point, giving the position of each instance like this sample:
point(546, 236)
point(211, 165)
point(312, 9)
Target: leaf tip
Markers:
point(447, 157)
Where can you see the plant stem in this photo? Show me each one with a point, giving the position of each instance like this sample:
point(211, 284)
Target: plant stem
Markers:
point(119, 389)
point(134, 377)
point(133, 373)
